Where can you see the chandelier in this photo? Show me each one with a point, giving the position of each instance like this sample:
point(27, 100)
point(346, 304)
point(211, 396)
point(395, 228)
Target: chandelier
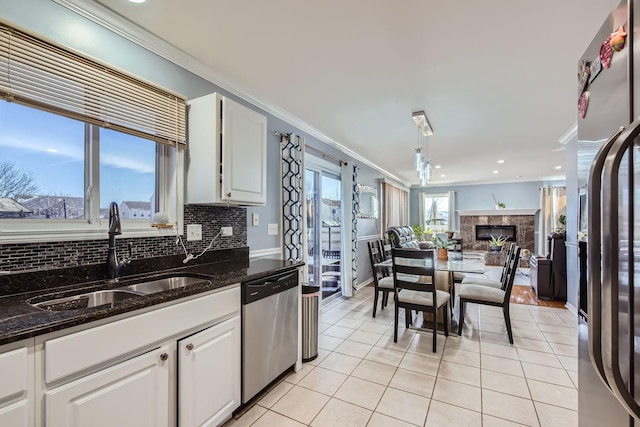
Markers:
point(423, 160)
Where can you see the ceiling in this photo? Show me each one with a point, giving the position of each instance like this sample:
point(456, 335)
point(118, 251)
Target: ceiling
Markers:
point(497, 78)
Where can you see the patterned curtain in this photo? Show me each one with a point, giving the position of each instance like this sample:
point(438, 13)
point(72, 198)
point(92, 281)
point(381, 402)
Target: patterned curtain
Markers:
point(395, 206)
point(291, 146)
point(354, 226)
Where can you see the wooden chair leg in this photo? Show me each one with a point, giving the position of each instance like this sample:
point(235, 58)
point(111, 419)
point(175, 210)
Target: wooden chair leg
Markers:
point(507, 321)
point(395, 323)
point(407, 317)
point(461, 320)
point(435, 328)
point(375, 301)
point(446, 320)
point(385, 298)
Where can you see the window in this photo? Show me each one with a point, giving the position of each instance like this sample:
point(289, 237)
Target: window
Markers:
point(437, 211)
point(78, 135)
point(43, 168)
point(47, 172)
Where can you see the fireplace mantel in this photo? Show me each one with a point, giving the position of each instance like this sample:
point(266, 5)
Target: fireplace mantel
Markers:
point(497, 212)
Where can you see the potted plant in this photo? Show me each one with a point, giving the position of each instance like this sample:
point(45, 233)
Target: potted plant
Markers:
point(499, 205)
point(418, 231)
point(428, 235)
point(497, 242)
point(443, 246)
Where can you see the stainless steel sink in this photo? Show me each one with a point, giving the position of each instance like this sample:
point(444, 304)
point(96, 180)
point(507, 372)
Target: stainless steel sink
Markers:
point(86, 300)
point(165, 284)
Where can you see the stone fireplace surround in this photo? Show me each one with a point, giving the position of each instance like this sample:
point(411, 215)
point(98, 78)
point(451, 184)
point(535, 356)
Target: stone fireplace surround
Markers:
point(523, 219)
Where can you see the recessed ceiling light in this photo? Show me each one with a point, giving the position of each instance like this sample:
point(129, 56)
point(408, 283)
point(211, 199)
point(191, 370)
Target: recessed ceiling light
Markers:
point(437, 166)
point(495, 171)
point(137, 1)
point(442, 176)
point(500, 161)
point(558, 167)
point(518, 176)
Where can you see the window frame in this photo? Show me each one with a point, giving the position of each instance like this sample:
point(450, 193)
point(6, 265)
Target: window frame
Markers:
point(450, 225)
point(169, 192)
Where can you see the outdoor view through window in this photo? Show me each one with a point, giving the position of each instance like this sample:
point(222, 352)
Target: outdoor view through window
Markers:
point(46, 157)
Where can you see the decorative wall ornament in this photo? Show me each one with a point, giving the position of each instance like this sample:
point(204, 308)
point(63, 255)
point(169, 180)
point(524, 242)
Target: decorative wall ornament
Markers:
point(291, 166)
point(367, 202)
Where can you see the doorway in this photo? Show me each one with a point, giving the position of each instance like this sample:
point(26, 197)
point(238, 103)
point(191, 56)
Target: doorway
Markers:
point(323, 193)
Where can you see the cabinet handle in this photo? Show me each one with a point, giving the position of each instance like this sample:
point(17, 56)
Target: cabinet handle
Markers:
point(229, 195)
point(189, 347)
point(164, 356)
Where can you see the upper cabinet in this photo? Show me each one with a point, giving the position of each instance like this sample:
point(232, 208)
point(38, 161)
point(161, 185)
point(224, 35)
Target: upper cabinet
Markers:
point(227, 153)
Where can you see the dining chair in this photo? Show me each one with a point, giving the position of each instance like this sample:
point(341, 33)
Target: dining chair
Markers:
point(488, 295)
point(472, 280)
point(381, 282)
point(414, 285)
point(385, 248)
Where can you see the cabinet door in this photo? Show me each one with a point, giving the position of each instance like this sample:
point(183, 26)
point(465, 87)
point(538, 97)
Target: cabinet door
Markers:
point(16, 386)
point(15, 414)
point(244, 154)
point(133, 393)
point(209, 375)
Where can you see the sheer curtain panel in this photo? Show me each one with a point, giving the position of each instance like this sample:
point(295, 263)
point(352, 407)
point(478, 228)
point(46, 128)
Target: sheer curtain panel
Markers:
point(553, 203)
point(395, 208)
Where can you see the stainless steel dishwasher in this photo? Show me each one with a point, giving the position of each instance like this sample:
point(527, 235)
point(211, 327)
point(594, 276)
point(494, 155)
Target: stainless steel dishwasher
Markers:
point(269, 330)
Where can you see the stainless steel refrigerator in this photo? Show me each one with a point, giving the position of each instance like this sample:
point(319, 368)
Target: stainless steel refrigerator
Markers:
point(608, 142)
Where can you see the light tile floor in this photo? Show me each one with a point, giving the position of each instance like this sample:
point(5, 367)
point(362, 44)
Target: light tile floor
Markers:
point(362, 378)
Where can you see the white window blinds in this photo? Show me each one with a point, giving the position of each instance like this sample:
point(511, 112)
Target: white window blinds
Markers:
point(41, 75)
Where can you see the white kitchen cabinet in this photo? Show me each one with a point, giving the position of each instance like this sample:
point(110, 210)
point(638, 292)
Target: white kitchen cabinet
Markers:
point(208, 373)
point(227, 148)
point(16, 384)
point(126, 372)
point(133, 393)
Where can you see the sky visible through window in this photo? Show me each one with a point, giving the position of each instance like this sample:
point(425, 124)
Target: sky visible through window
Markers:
point(51, 147)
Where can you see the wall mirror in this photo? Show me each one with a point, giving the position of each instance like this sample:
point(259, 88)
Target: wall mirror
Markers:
point(368, 202)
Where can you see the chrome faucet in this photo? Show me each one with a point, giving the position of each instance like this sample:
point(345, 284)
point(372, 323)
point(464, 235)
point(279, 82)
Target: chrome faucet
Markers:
point(114, 267)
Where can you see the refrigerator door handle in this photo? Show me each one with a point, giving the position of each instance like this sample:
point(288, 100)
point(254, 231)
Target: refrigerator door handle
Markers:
point(594, 253)
point(610, 259)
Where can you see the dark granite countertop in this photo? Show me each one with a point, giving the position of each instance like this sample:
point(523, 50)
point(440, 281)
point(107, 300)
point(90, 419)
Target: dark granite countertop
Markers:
point(20, 320)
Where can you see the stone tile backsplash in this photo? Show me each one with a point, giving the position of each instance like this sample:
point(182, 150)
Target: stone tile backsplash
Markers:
point(39, 256)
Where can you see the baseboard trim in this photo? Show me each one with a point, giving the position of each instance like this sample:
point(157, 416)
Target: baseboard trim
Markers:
point(363, 284)
point(571, 308)
point(265, 252)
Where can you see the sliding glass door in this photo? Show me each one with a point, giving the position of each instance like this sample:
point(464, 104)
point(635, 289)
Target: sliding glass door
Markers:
point(323, 192)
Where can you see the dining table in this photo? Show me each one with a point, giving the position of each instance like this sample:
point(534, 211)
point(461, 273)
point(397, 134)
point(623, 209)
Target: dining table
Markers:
point(457, 262)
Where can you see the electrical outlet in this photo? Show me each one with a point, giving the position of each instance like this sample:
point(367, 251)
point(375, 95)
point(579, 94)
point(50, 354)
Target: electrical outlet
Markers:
point(194, 232)
point(227, 231)
point(255, 219)
point(272, 229)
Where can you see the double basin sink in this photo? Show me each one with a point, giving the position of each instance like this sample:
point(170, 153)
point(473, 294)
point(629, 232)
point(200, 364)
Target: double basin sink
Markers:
point(110, 296)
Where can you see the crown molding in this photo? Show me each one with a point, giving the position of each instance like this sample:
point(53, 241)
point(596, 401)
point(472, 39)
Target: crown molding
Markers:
point(124, 28)
point(570, 135)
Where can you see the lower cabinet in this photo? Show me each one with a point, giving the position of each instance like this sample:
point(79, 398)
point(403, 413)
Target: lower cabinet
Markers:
point(209, 375)
point(15, 414)
point(16, 384)
point(178, 365)
point(131, 393)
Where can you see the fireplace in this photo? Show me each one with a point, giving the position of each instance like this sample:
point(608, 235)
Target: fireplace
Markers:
point(484, 232)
